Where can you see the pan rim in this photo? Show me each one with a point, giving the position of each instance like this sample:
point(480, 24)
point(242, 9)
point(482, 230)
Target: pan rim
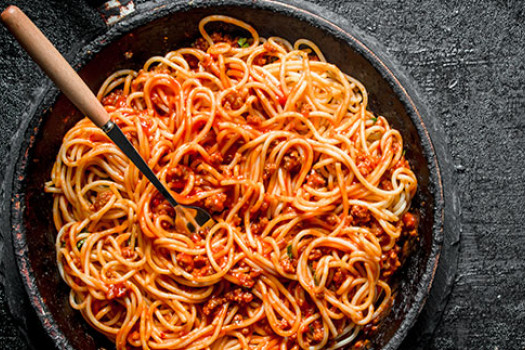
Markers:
point(304, 12)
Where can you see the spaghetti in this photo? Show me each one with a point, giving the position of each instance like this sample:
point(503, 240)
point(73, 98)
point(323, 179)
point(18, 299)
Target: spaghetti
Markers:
point(309, 189)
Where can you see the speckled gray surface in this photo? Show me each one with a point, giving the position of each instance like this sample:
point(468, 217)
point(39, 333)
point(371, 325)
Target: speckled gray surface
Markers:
point(466, 60)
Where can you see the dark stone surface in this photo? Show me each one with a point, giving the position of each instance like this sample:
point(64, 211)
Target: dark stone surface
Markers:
point(466, 59)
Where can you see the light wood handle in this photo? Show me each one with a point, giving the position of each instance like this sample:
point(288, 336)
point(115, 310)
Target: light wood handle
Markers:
point(54, 64)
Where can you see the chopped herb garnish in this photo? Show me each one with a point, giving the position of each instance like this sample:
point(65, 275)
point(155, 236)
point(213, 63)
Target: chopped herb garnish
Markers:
point(243, 42)
point(374, 119)
point(80, 243)
point(289, 251)
point(404, 151)
point(316, 280)
point(311, 327)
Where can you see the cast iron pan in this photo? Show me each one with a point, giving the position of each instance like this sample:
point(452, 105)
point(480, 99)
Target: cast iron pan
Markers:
point(155, 29)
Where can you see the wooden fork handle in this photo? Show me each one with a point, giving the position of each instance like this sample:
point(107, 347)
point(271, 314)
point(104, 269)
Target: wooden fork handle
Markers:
point(54, 64)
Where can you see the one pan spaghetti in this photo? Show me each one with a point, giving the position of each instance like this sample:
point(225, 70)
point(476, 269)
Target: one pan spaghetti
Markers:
point(310, 191)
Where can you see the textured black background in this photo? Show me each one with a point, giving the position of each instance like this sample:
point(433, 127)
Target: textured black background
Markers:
point(466, 58)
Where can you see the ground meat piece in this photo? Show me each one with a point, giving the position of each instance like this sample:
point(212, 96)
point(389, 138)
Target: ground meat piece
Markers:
point(201, 44)
point(236, 221)
point(387, 185)
point(384, 239)
point(178, 176)
point(168, 211)
point(292, 161)
point(237, 319)
point(216, 158)
point(402, 163)
point(376, 228)
point(115, 98)
point(360, 214)
point(202, 266)
point(265, 326)
point(306, 108)
point(390, 262)
point(185, 261)
point(215, 203)
point(260, 60)
point(289, 265)
point(361, 344)
point(212, 304)
point(315, 180)
point(316, 254)
point(233, 101)
point(266, 203)
point(116, 291)
point(239, 296)
point(224, 38)
point(134, 336)
point(369, 329)
point(365, 164)
point(246, 278)
point(193, 61)
point(258, 227)
point(127, 252)
point(339, 277)
point(266, 57)
point(318, 332)
point(200, 261)
point(332, 219)
point(282, 324)
point(101, 200)
point(410, 221)
point(255, 120)
point(306, 308)
point(269, 169)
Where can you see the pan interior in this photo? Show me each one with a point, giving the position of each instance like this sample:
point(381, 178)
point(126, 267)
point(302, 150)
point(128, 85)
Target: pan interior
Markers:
point(157, 38)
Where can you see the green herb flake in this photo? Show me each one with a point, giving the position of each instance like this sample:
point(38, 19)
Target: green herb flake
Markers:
point(80, 243)
point(316, 280)
point(243, 42)
point(311, 327)
point(374, 119)
point(289, 251)
point(404, 152)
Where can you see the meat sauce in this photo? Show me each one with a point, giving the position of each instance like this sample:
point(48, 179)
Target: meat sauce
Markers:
point(101, 200)
point(241, 279)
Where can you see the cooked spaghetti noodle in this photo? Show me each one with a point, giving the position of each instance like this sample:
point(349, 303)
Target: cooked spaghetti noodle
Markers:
point(309, 189)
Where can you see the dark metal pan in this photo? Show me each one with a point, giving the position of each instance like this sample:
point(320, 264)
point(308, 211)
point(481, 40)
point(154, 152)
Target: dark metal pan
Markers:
point(155, 29)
